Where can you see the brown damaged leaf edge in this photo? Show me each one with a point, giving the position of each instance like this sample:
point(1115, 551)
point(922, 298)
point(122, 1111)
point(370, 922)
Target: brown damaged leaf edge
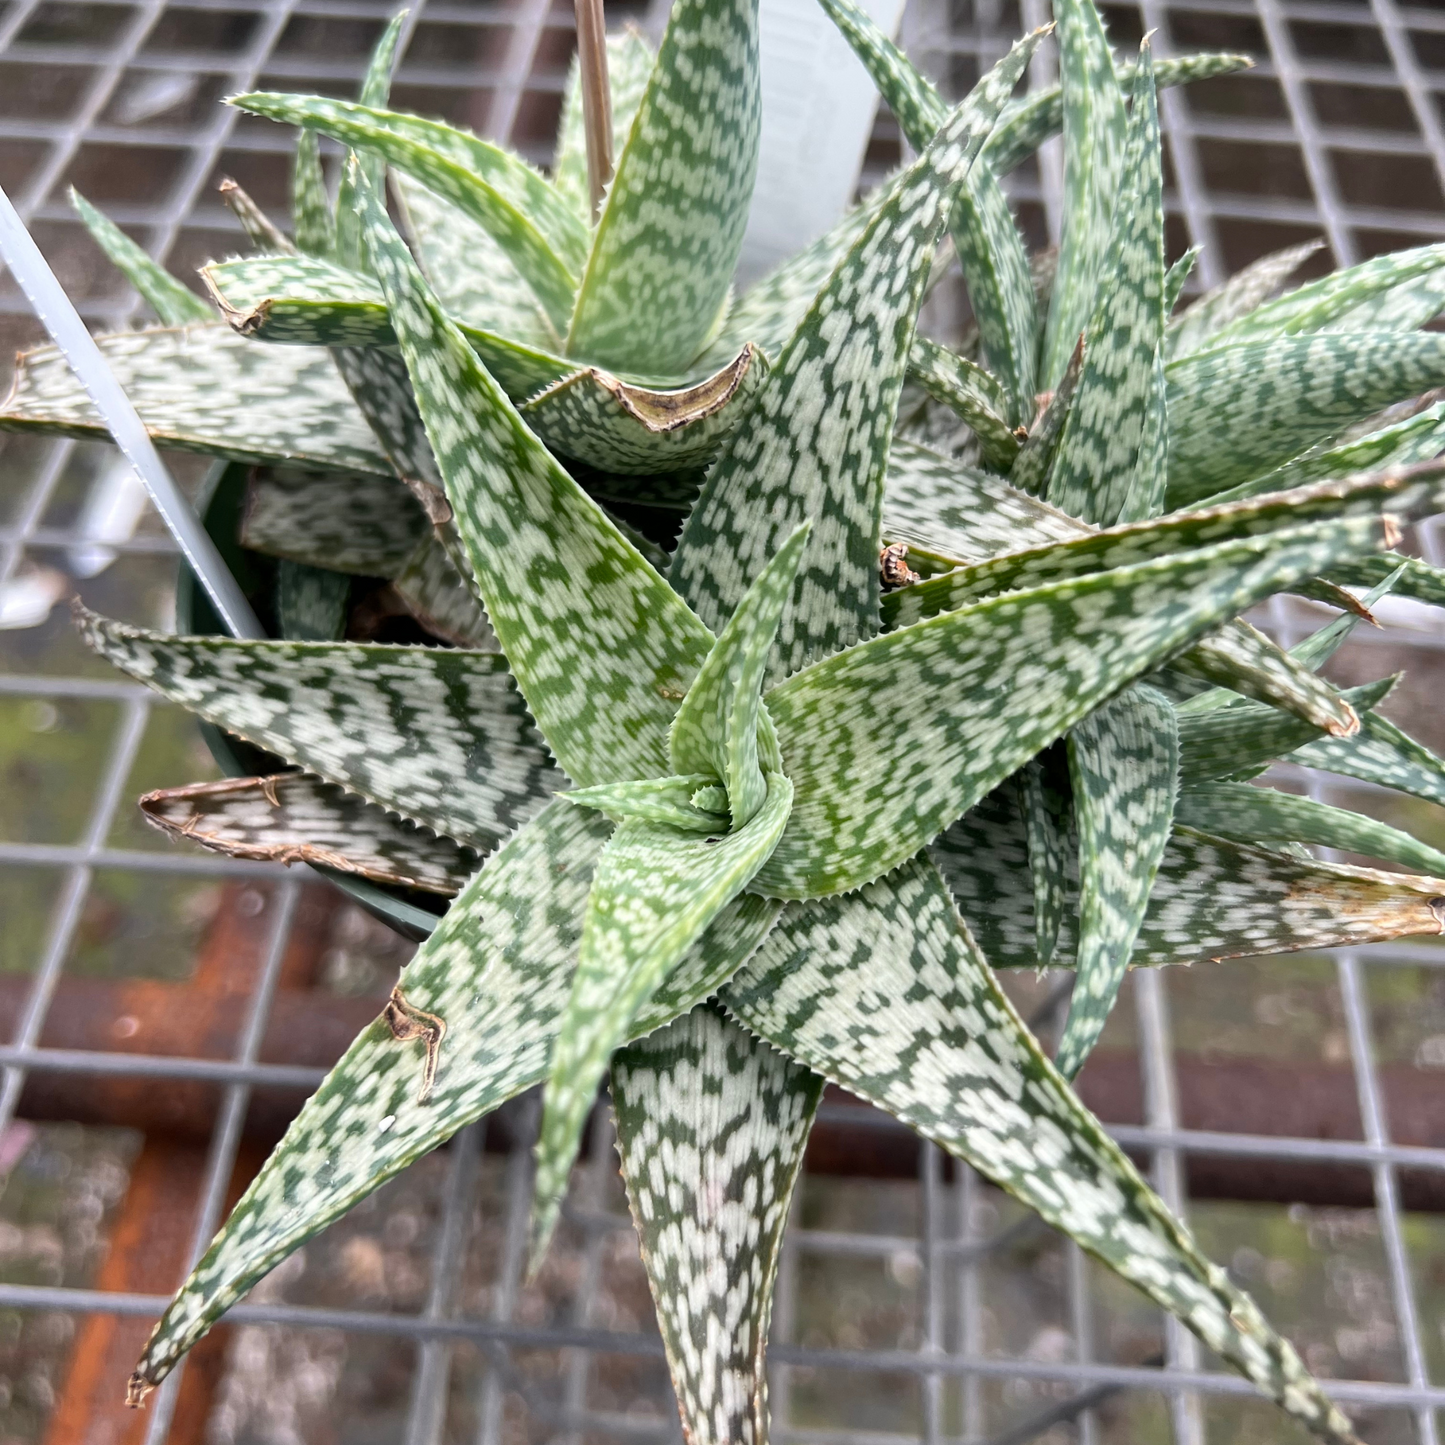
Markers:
point(662, 411)
point(175, 812)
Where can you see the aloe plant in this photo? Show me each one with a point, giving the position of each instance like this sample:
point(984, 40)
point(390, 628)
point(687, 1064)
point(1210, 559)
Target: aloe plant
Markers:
point(766, 806)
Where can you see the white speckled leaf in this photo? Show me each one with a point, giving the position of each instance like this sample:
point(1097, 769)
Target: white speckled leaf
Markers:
point(311, 215)
point(441, 599)
point(1411, 495)
point(1124, 765)
point(1379, 753)
point(1000, 289)
point(498, 190)
point(600, 645)
point(885, 992)
point(375, 91)
point(1417, 438)
point(298, 818)
point(1323, 305)
point(954, 514)
point(497, 972)
point(620, 426)
point(711, 1126)
point(1245, 291)
point(629, 67)
point(1216, 742)
point(889, 741)
point(1247, 814)
point(1402, 308)
point(311, 602)
point(1030, 120)
point(304, 300)
point(1094, 138)
point(471, 273)
point(437, 735)
point(654, 891)
point(667, 241)
point(1212, 899)
point(1099, 449)
point(1150, 480)
point(1238, 410)
point(204, 389)
point(1043, 801)
point(1416, 579)
point(721, 727)
point(173, 302)
point(815, 442)
point(261, 231)
point(381, 391)
point(364, 524)
point(1177, 277)
point(972, 393)
point(1034, 463)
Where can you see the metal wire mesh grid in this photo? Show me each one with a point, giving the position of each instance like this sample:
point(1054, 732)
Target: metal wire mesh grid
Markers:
point(1337, 131)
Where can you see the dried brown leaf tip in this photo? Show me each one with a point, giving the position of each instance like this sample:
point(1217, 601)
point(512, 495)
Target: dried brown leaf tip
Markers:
point(408, 1024)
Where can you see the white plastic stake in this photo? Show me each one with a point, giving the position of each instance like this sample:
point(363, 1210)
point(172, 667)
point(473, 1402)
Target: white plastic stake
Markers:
point(67, 330)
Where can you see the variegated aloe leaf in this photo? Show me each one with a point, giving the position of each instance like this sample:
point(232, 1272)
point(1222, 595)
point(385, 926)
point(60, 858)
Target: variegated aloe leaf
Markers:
point(380, 389)
point(1124, 764)
point(1177, 277)
point(472, 275)
point(360, 524)
point(311, 602)
point(1379, 753)
point(898, 1005)
point(722, 728)
point(620, 426)
point(1418, 438)
point(876, 781)
point(1031, 468)
point(1043, 803)
point(1235, 411)
point(952, 514)
point(438, 735)
point(658, 886)
point(204, 389)
point(1416, 579)
point(1241, 294)
point(972, 394)
point(1098, 452)
point(375, 91)
point(311, 214)
point(173, 302)
point(1411, 493)
point(655, 890)
point(440, 598)
point(1149, 484)
point(261, 231)
point(1212, 899)
point(663, 255)
point(1324, 304)
point(496, 972)
point(1404, 307)
point(1094, 138)
point(600, 645)
point(710, 1129)
point(499, 191)
point(629, 68)
point(299, 818)
point(1217, 742)
point(845, 364)
point(304, 300)
point(1000, 289)
point(1248, 814)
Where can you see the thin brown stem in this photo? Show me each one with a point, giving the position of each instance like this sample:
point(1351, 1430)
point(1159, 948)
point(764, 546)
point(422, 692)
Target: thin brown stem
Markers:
point(596, 97)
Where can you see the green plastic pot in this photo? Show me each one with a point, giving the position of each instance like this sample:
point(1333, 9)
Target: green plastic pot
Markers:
point(222, 497)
